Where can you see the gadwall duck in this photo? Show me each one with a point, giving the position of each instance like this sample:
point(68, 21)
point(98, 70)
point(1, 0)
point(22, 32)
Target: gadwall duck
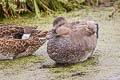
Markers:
point(15, 48)
point(10, 30)
point(72, 42)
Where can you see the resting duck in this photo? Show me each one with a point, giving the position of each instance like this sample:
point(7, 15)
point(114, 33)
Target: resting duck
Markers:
point(9, 30)
point(15, 48)
point(72, 42)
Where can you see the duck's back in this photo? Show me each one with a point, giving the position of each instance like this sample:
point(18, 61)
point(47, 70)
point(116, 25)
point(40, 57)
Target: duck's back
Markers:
point(10, 30)
point(6, 31)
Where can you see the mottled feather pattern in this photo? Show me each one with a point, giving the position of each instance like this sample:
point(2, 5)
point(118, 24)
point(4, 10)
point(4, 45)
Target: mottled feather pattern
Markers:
point(8, 30)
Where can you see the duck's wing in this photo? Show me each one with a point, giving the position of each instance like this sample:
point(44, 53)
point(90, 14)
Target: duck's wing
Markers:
point(6, 31)
point(92, 25)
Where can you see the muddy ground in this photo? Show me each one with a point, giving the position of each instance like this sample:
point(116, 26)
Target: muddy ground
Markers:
point(103, 65)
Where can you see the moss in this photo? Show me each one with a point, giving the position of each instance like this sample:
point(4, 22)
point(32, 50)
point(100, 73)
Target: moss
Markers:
point(60, 68)
point(20, 62)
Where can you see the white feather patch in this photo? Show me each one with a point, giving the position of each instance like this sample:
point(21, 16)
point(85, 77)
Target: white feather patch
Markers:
point(26, 36)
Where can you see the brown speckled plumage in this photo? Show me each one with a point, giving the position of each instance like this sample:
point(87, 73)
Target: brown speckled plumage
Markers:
point(76, 46)
point(15, 48)
point(8, 30)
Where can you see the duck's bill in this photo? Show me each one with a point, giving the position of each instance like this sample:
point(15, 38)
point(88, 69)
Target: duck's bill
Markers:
point(51, 36)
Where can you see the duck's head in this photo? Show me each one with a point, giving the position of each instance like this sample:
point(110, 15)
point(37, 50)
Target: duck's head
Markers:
point(58, 32)
point(59, 21)
point(60, 28)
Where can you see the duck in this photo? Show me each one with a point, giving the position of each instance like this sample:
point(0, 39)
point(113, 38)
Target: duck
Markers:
point(15, 31)
point(72, 42)
point(15, 48)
